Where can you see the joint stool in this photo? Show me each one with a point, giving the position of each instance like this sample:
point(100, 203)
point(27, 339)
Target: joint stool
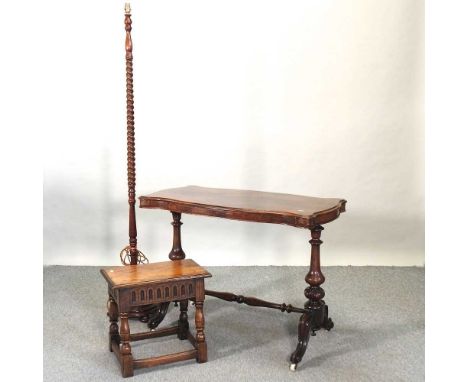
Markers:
point(131, 286)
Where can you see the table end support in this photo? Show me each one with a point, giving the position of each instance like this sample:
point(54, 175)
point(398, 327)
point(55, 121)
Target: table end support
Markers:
point(177, 253)
point(316, 315)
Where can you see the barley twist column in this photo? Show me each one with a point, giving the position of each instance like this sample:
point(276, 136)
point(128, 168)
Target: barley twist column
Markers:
point(131, 176)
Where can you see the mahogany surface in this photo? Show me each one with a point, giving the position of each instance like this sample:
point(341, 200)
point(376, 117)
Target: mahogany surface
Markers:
point(246, 205)
point(135, 275)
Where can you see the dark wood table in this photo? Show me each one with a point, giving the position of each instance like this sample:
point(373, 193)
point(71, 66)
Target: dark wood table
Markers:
point(265, 207)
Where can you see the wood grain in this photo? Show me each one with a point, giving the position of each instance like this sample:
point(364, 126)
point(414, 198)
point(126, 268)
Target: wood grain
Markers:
point(132, 286)
point(164, 359)
point(135, 275)
point(246, 205)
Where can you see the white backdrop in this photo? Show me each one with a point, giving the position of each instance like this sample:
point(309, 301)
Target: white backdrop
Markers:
point(320, 98)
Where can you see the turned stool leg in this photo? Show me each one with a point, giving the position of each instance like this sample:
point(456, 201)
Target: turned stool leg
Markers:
point(202, 352)
point(183, 321)
point(113, 314)
point(177, 253)
point(125, 349)
point(317, 315)
point(202, 355)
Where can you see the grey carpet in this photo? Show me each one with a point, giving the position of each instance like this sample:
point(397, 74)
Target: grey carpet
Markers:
point(378, 335)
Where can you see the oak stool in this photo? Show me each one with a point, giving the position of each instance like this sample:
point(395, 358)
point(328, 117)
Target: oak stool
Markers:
point(134, 286)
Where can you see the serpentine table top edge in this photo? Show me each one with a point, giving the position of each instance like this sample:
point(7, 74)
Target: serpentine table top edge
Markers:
point(247, 205)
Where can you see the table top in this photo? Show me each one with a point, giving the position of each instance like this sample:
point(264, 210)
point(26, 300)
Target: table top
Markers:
point(246, 205)
point(141, 274)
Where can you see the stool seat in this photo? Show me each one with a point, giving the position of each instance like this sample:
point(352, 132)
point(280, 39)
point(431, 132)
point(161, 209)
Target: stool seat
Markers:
point(133, 286)
point(136, 275)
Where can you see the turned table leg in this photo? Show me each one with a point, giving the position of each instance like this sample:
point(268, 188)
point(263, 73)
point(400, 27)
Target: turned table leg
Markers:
point(177, 253)
point(113, 314)
point(125, 348)
point(158, 313)
point(316, 316)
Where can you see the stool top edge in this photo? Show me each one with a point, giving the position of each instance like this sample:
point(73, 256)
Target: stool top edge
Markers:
point(143, 274)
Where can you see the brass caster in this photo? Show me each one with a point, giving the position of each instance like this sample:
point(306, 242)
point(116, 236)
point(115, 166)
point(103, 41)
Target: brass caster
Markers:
point(293, 366)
